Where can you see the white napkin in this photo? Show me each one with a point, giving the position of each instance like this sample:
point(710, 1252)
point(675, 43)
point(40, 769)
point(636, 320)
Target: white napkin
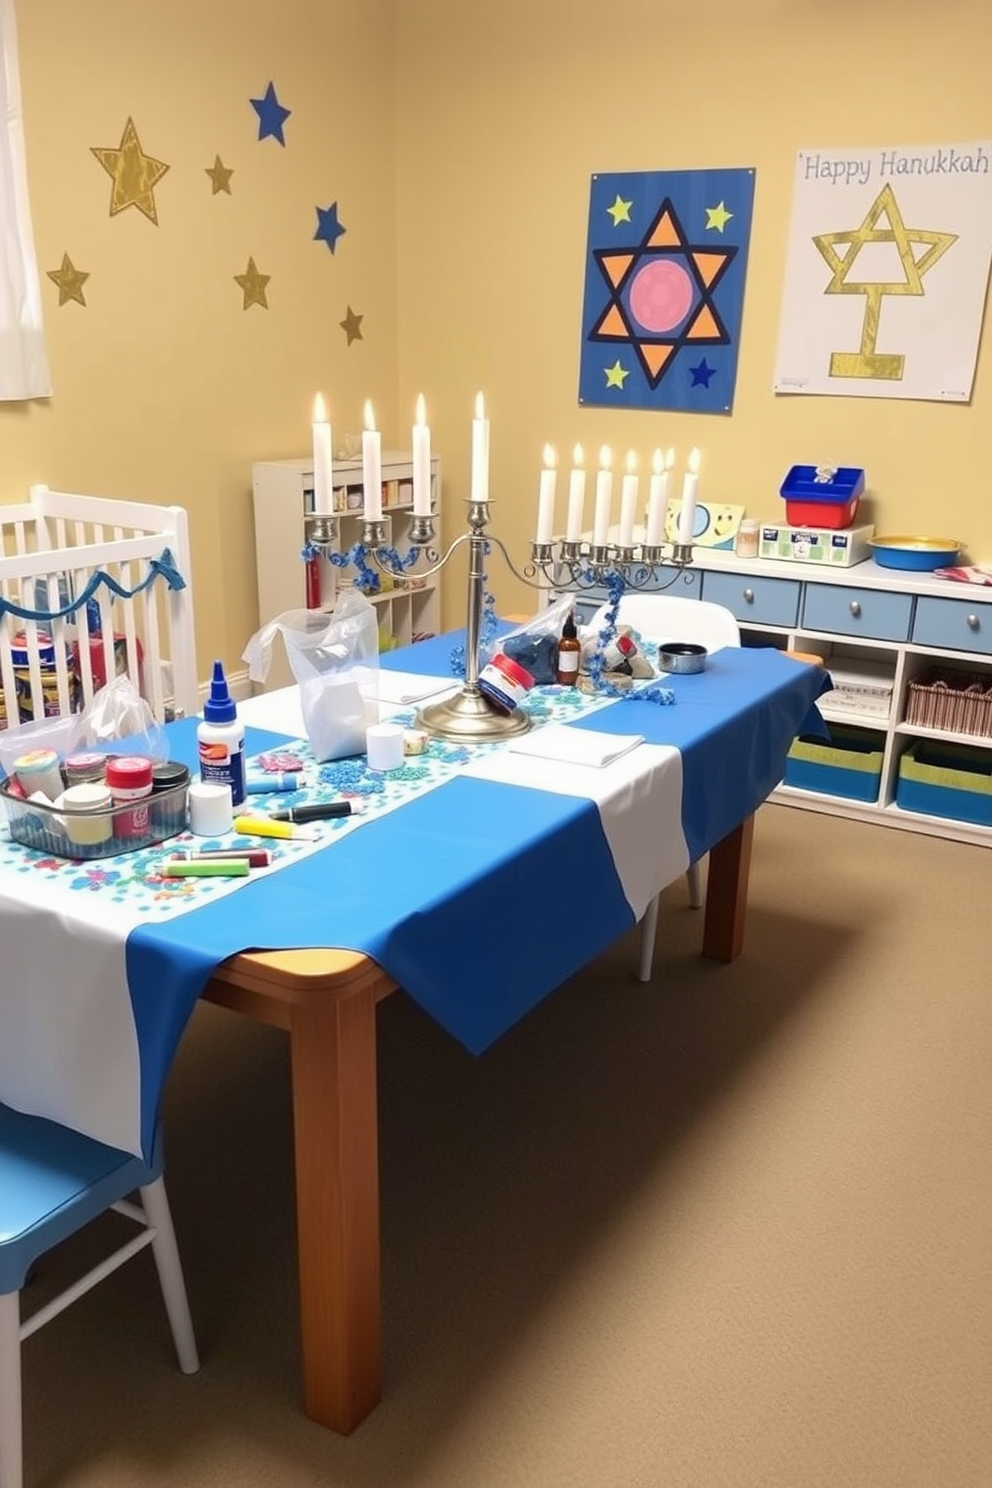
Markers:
point(404, 687)
point(572, 746)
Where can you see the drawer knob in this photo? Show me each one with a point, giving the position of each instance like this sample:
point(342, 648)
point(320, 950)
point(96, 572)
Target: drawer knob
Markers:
point(974, 623)
point(855, 608)
point(749, 595)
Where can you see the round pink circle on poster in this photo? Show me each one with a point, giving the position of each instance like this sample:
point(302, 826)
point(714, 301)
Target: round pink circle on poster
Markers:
point(661, 295)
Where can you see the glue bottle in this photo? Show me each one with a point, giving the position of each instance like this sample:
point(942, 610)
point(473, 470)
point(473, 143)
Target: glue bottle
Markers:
point(220, 739)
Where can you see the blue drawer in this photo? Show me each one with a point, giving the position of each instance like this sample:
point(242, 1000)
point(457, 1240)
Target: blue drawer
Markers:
point(754, 601)
point(953, 625)
point(857, 612)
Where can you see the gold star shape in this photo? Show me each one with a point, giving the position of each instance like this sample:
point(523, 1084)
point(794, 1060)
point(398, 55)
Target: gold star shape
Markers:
point(718, 216)
point(134, 173)
point(70, 281)
point(352, 326)
point(885, 205)
point(220, 176)
point(253, 284)
point(616, 375)
point(620, 210)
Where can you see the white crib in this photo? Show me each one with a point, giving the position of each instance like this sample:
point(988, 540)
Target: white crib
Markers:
point(52, 547)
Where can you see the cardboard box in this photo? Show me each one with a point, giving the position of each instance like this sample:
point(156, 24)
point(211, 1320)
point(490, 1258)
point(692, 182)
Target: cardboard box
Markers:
point(816, 544)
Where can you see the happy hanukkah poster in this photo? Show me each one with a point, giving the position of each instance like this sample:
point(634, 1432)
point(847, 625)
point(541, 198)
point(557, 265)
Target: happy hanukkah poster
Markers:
point(664, 289)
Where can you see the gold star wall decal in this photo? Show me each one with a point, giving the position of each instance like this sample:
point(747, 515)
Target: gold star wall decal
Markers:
point(70, 281)
point(352, 326)
point(253, 285)
point(135, 174)
point(616, 375)
point(220, 176)
point(868, 362)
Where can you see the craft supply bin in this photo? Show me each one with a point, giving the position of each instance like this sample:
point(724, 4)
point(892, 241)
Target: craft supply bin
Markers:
point(946, 780)
point(849, 763)
point(42, 826)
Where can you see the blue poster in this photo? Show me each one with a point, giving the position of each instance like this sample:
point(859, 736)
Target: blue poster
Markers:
point(664, 289)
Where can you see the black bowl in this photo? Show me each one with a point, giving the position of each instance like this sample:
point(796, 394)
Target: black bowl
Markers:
point(681, 656)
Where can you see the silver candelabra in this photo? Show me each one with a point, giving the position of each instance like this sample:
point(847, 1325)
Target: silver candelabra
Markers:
point(468, 715)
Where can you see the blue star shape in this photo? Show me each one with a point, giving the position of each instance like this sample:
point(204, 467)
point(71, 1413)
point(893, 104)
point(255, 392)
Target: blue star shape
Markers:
point(271, 115)
point(329, 228)
point(701, 374)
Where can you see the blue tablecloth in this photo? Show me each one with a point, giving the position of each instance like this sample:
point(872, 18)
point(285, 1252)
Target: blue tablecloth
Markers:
point(456, 893)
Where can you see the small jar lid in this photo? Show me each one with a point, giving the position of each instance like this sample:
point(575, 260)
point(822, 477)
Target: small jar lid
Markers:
point(35, 761)
point(169, 774)
point(20, 652)
point(87, 796)
point(513, 671)
point(129, 771)
point(85, 765)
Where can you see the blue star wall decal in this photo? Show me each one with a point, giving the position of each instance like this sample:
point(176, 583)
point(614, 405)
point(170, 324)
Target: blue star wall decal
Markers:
point(329, 228)
point(701, 374)
point(271, 115)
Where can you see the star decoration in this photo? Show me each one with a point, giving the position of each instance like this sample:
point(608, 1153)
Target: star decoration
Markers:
point(620, 210)
point(134, 173)
point(253, 284)
point(271, 115)
point(701, 374)
point(841, 264)
point(220, 176)
point(867, 361)
point(616, 375)
point(70, 281)
point(352, 326)
point(661, 294)
point(718, 216)
point(329, 228)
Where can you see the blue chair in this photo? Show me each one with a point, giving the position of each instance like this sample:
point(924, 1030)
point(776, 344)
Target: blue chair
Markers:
point(53, 1181)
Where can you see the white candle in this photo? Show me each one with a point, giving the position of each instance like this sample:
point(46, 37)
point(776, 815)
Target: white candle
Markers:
point(546, 498)
point(628, 502)
point(687, 516)
point(576, 497)
point(371, 468)
point(421, 463)
point(604, 496)
point(323, 460)
point(657, 501)
point(480, 451)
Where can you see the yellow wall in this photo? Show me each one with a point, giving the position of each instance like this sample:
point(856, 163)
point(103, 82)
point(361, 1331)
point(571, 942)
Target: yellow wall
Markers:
point(509, 106)
point(165, 387)
point(459, 139)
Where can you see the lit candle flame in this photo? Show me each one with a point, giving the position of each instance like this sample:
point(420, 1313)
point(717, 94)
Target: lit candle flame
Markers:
point(605, 457)
point(694, 462)
point(421, 411)
point(319, 410)
point(550, 459)
point(577, 456)
point(657, 462)
point(369, 416)
point(631, 463)
point(480, 406)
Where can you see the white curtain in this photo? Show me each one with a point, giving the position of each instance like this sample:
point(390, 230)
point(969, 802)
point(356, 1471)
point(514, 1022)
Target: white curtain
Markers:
point(23, 361)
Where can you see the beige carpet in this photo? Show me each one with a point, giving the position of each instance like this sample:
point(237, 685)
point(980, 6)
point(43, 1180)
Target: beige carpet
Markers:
point(732, 1230)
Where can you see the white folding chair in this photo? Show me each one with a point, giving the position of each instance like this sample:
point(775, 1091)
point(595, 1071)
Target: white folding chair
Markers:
point(664, 617)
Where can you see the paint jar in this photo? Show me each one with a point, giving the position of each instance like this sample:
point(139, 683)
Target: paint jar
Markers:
point(384, 746)
point(84, 767)
point(38, 770)
point(44, 648)
point(86, 814)
point(748, 537)
point(504, 682)
point(129, 777)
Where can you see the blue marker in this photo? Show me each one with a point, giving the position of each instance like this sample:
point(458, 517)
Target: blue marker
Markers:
point(260, 785)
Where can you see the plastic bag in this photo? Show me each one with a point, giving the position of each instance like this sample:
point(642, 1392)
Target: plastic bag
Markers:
point(334, 657)
point(119, 714)
point(534, 645)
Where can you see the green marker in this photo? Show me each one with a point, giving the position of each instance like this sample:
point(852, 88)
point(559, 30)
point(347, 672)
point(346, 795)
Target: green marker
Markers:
point(215, 868)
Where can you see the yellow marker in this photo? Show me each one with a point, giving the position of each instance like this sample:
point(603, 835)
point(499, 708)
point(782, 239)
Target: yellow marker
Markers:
point(264, 826)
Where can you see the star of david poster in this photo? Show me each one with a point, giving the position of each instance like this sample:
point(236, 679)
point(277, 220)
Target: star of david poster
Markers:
point(664, 289)
point(887, 272)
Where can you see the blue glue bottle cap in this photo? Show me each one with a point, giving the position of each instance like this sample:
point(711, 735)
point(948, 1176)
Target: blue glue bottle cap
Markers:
point(219, 706)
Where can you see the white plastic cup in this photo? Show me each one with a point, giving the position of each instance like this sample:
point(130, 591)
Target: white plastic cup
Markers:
point(384, 746)
point(211, 808)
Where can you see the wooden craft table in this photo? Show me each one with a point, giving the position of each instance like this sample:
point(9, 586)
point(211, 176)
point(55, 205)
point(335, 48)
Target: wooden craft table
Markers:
point(326, 1000)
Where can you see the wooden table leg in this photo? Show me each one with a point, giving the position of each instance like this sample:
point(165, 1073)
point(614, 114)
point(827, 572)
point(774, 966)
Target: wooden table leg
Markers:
point(726, 893)
point(333, 1053)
